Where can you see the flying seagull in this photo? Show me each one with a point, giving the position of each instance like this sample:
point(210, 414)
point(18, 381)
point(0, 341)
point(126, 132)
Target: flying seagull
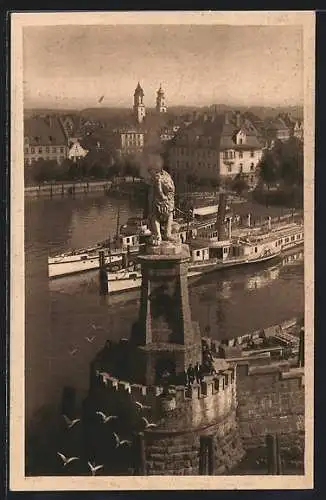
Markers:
point(148, 424)
point(94, 468)
point(122, 442)
point(101, 99)
point(141, 406)
point(106, 418)
point(104, 376)
point(66, 460)
point(95, 327)
point(73, 351)
point(90, 339)
point(71, 423)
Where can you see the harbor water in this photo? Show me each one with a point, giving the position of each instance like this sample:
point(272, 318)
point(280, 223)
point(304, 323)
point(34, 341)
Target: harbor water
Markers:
point(67, 321)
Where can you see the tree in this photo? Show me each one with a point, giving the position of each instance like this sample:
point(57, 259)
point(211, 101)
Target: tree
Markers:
point(269, 169)
point(45, 170)
point(239, 184)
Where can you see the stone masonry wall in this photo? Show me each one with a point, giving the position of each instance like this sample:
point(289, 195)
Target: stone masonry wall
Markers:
point(178, 453)
point(271, 402)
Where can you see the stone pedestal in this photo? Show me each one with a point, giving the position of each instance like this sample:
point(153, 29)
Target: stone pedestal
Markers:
point(166, 337)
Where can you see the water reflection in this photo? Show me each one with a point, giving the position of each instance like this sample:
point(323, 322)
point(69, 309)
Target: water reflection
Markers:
point(60, 313)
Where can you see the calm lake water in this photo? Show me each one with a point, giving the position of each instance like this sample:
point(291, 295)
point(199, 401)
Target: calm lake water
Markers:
point(60, 314)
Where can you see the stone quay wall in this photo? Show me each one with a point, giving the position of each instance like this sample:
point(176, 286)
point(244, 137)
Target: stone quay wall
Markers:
point(271, 400)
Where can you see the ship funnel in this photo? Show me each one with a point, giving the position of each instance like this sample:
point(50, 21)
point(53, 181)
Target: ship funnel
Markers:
point(220, 220)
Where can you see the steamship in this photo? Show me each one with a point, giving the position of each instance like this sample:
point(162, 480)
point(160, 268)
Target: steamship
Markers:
point(128, 240)
point(214, 247)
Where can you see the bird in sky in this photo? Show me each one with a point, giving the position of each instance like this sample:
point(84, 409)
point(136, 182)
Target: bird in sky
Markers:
point(121, 442)
point(106, 418)
point(94, 468)
point(71, 423)
point(96, 327)
point(104, 377)
point(148, 424)
point(101, 99)
point(140, 406)
point(73, 351)
point(66, 460)
point(90, 339)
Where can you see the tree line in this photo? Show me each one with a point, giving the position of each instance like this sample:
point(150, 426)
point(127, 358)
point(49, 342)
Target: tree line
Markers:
point(281, 173)
point(101, 168)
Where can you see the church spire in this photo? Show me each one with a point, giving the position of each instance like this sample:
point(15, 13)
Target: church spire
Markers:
point(139, 106)
point(160, 101)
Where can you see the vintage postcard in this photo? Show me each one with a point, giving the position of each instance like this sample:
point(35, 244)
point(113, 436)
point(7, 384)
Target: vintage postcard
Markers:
point(162, 269)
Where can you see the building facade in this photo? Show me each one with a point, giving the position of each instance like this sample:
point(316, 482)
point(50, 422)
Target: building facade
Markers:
point(44, 138)
point(215, 147)
point(129, 140)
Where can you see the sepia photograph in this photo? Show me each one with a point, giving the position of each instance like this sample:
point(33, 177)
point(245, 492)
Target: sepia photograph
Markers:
point(162, 179)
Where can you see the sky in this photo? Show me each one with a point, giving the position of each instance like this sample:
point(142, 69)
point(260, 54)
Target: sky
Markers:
point(73, 66)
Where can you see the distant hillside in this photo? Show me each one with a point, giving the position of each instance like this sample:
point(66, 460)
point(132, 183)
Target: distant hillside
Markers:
point(29, 112)
point(104, 113)
point(260, 111)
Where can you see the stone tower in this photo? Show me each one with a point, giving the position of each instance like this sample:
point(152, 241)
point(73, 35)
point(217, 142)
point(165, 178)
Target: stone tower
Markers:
point(166, 337)
point(139, 106)
point(194, 428)
point(160, 101)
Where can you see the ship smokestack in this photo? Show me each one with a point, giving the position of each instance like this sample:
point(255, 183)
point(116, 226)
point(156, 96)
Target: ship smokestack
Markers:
point(220, 220)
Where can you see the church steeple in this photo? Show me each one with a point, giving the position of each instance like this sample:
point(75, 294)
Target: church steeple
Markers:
point(160, 101)
point(139, 106)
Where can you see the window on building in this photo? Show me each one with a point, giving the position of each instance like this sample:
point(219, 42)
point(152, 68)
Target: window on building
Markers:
point(26, 150)
point(62, 150)
point(32, 150)
point(240, 154)
point(40, 150)
point(241, 168)
point(198, 253)
point(54, 150)
point(240, 140)
point(229, 169)
point(252, 154)
point(252, 166)
point(47, 149)
point(256, 249)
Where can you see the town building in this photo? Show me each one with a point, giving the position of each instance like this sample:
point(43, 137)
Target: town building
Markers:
point(76, 151)
point(216, 146)
point(129, 140)
point(44, 138)
point(298, 130)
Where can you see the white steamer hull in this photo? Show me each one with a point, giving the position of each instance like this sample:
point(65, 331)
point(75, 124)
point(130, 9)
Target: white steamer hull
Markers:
point(65, 268)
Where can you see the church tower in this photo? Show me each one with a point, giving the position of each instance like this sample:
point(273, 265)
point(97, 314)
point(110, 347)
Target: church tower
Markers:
point(160, 101)
point(139, 106)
